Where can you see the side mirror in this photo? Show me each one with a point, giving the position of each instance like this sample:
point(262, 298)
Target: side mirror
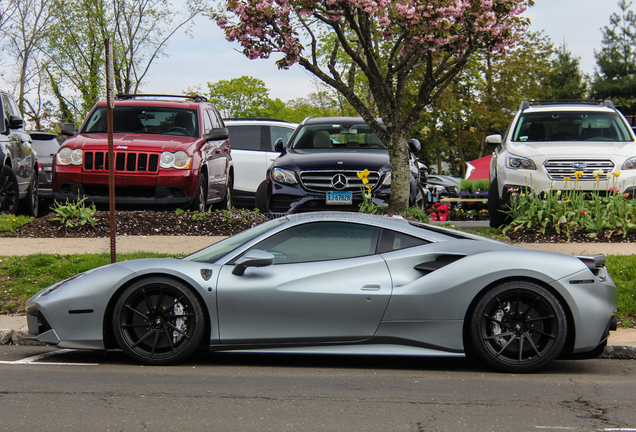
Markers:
point(279, 146)
point(253, 258)
point(68, 129)
point(493, 140)
point(15, 122)
point(415, 146)
point(217, 134)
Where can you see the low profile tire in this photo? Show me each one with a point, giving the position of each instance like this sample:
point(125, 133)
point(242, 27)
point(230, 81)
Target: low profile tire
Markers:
point(9, 191)
point(518, 327)
point(29, 206)
point(201, 196)
point(158, 321)
point(497, 217)
point(261, 197)
point(226, 203)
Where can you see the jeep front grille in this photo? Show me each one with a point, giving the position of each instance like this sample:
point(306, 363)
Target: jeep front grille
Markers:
point(322, 181)
point(124, 161)
point(558, 169)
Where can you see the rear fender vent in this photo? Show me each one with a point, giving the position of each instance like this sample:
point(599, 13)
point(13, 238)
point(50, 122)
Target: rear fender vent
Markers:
point(439, 262)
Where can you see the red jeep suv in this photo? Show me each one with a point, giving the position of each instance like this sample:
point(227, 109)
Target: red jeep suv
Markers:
point(168, 152)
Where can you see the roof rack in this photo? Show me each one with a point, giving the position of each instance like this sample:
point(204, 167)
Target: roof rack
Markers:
point(195, 98)
point(526, 104)
point(254, 119)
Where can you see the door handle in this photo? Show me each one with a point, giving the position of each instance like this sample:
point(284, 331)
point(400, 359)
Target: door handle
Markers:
point(371, 287)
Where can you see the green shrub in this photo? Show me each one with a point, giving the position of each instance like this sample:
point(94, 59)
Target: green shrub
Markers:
point(73, 214)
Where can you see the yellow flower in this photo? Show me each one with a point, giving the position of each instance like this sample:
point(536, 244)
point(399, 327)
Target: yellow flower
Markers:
point(617, 173)
point(363, 175)
point(578, 174)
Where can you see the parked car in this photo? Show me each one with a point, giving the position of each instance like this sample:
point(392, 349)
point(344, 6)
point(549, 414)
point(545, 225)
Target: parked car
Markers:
point(443, 186)
point(19, 175)
point(253, 152)
point(46, 144)
point(549, 141)
point(366, 286)
point(170, 151)
point(317, 168)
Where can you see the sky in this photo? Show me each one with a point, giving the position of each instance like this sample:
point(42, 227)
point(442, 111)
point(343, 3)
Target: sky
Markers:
point(207, 57)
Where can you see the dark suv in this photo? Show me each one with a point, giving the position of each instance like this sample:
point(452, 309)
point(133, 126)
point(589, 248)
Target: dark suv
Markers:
point(318, 168)
point(170, 151)
point(19, 175)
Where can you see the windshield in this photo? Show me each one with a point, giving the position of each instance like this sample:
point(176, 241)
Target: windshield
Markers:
point(147, 120)
point(340, 137)
point(212, 253)
point(571, 126)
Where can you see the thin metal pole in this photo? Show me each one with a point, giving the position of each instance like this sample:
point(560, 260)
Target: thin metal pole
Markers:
point(111, 165)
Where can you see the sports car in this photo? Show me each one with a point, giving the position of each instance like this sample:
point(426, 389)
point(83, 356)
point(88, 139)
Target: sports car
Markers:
point(339, 283)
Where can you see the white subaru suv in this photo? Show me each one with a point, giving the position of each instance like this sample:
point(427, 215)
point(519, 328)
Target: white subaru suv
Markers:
point(548, 141)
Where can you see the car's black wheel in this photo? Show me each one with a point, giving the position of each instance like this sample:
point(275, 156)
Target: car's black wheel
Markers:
point(226, 202)
point(261, 197)
point(497, 217)
point(29, 205)
point(9, 191)
point(518, 326)
point(199, 203)
point(158, 321)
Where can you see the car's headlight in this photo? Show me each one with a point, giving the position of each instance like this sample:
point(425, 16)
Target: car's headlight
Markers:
point(66, 156)
point(518, 162)
point(387, 179)
point(629, 164)
point(179, 160)
point(284, 176)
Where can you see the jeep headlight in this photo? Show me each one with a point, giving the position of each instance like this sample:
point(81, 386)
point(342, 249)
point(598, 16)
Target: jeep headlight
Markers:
point(178, 160)
point(66, 156)
point(518, 162)
point(629, 164)
point(283, 176)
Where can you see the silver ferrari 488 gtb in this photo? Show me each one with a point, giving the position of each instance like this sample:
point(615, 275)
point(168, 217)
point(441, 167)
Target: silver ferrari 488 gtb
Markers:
point(339, 283)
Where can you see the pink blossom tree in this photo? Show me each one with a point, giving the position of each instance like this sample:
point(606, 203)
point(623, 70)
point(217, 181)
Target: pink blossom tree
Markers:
point(408, 51)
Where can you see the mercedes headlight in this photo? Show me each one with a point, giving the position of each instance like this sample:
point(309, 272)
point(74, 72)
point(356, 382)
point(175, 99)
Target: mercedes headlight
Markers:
point(283, 176)
point(387, 179)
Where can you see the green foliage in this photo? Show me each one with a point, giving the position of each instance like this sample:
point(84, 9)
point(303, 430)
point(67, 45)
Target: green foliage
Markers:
point(474, 185)
point(73, 214)
point(622, 268)
point(24, 276)
point(8, 223)
point(572, 209)
point(566, 79)
point(616, 61)
point(239, 97)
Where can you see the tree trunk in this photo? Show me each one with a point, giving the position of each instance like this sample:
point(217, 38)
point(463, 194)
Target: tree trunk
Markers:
point(400, 172)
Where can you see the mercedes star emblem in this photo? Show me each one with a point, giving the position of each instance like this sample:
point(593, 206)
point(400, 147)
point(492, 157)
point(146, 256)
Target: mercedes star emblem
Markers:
point(339, 181)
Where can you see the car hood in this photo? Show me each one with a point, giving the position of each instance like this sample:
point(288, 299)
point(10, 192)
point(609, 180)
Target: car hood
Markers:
point(349, 160)
point(566, 149)
point(130, 141)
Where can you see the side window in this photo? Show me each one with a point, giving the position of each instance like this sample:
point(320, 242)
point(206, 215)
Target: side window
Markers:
point(393, 240)
point(6, 107)
point(321, 241)
point(2, 117)
point(219, 120)
point(276, 132)
point(207, 123)
point(245, 137)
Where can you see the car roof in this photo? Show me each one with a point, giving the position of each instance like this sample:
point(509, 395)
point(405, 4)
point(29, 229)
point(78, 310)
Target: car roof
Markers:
point(259, 121)
point(567, 106)
point(334, 120)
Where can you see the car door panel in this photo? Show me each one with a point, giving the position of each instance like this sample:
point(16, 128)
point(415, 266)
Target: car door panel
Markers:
point(337, 300)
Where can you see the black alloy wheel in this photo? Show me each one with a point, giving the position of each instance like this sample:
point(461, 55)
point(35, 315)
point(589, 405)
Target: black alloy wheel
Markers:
point(518, 327)
point(158, 321)
point(9, 191)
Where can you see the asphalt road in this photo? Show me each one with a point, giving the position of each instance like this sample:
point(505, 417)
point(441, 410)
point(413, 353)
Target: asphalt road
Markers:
point(80, 391)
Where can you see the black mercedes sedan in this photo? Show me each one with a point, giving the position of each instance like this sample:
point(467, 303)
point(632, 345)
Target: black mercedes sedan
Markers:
point(321, 168)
